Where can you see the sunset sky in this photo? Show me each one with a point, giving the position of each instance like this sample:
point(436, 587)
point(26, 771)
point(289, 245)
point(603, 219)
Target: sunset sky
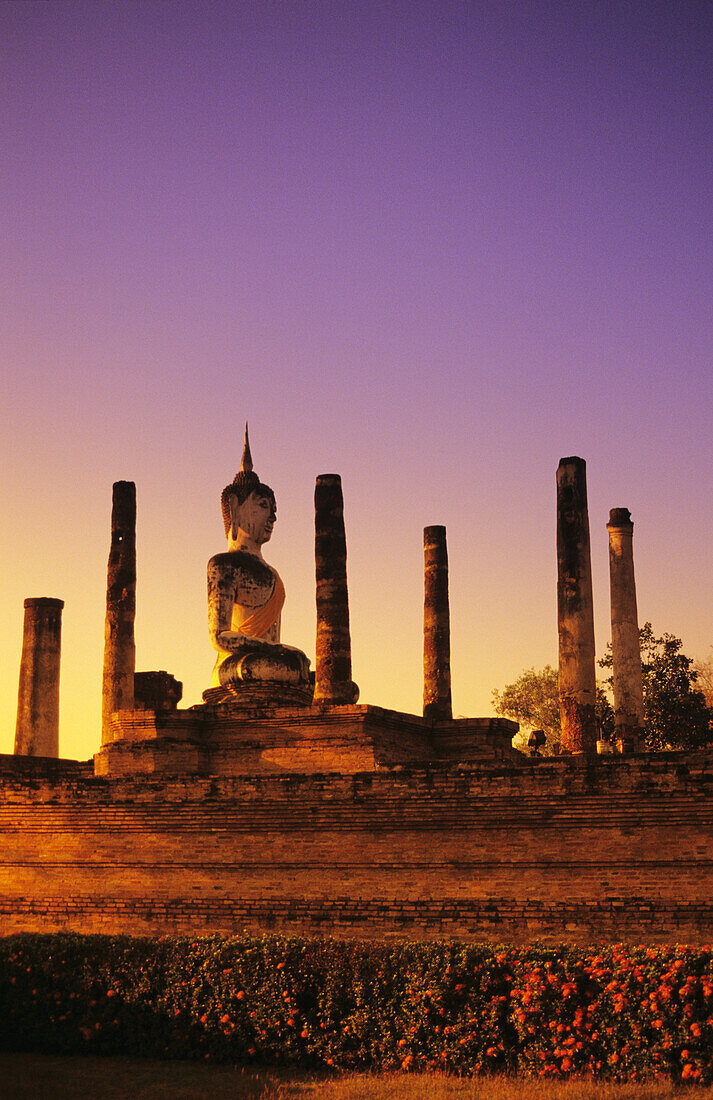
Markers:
point(433, 247)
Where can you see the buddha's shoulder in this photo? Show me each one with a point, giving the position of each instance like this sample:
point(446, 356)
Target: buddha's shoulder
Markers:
point(236, 563)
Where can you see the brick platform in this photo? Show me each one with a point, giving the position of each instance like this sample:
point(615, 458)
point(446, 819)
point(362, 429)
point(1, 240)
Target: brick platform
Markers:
point(219, 740)
point(553, 849)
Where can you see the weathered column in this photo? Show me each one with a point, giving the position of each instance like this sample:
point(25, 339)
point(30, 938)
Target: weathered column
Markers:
point(627, 680)
point(37, 727)
point(333, 676)
point(119, 647)
point(436, 626)
point(575, 609)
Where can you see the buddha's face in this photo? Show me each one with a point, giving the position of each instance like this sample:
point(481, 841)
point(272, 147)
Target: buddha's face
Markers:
point(255, 517)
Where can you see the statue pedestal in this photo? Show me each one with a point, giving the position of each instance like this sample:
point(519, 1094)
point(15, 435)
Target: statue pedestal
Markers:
point(256, 695)
point(229, 739)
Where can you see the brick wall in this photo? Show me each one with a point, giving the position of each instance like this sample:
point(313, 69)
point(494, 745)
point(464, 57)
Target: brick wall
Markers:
point(550, 849)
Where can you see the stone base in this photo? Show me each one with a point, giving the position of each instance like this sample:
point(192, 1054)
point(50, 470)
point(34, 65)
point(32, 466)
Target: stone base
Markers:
point(235, 698)
point(233, 740)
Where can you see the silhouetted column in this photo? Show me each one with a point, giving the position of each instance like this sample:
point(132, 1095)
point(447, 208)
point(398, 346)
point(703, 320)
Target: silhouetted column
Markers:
point(436, 626)
point(37, 728)
point(575, 609)
point(119, 647)
point(627, 679)
point(333, 676)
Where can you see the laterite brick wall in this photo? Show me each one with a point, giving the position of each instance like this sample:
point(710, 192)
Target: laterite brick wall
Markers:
point(551, 849)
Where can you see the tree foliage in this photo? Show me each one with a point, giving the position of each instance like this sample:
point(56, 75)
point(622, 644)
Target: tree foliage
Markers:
point(704, 683)
point(533, 701)
point(676, 715)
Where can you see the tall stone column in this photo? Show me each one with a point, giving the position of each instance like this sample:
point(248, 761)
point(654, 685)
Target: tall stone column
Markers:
point(333, 676)
point(575, 610)
point(37, 727)
point(436, 626)
point(627, 679)
point(119, 646)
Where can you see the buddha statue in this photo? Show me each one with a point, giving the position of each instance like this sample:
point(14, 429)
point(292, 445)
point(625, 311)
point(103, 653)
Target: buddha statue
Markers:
point(246, 595)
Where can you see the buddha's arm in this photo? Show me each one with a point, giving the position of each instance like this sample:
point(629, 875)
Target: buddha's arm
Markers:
point(221, 597)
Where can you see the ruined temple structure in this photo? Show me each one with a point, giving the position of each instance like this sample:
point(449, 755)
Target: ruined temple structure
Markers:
point(283, 802)
point(265, 712)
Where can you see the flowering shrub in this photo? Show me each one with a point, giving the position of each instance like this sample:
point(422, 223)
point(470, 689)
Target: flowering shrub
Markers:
point(618, 1012)
point(613, 1012)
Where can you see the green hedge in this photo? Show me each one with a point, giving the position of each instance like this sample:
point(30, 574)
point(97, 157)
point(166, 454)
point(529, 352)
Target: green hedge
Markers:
point(619, 1012)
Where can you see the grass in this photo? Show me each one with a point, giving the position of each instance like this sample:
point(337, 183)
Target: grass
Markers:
point(29, 1076)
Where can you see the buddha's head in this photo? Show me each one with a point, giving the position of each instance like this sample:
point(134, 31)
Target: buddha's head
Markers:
point(247, 504)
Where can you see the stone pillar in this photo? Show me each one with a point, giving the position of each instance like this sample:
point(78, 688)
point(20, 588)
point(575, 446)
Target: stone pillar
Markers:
point(37, 728)
point(627, 680)
point(119, 646)
point(436, 626)
point(575, 609)
point(333, 676)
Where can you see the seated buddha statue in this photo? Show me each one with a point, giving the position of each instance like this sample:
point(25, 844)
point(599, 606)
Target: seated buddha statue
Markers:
point(246, 595)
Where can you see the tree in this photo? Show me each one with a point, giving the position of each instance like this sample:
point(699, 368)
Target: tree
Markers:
point(675, 712)
point(704, 683)
point(533, 700)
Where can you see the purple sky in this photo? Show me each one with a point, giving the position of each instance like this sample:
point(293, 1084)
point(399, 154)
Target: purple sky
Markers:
point(433, 247)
